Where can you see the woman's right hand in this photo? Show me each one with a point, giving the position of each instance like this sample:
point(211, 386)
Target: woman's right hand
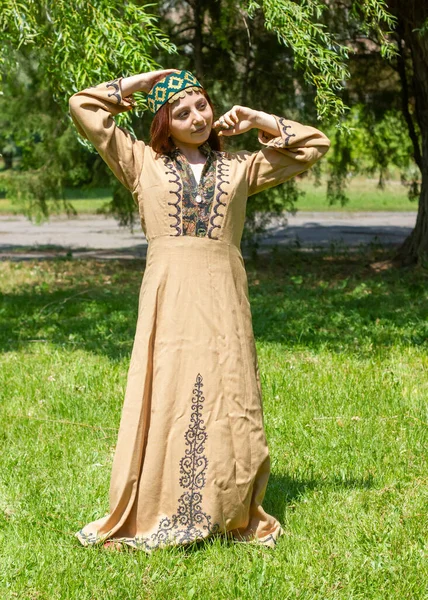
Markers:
point(143, 82)
point(148, 80)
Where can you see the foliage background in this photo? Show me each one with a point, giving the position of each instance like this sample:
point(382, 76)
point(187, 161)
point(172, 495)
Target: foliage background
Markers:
point(279, 56)
point(307, 60)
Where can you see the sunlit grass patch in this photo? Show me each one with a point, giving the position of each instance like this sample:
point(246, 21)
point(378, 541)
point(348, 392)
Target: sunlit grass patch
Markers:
point(344, 367)
point(363, 195)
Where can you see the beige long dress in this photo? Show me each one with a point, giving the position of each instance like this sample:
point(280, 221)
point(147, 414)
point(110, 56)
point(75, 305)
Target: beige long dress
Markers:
point(191, 458)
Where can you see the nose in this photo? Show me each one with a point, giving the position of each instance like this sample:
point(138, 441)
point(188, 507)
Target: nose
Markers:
point(197, 117)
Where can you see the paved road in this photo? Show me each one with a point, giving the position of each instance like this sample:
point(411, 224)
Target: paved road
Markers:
point(97, 236)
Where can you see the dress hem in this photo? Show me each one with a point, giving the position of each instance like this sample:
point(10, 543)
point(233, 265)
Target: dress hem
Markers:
point(137, 543)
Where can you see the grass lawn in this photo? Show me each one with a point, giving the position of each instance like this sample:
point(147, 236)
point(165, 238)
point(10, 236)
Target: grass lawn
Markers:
point(364, 195)
point(344, 365)
point(85, 202)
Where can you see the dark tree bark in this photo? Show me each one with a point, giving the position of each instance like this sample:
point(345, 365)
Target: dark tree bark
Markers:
point(198, 39)
point(411, 15)
point(248, 62)
point(8, 160)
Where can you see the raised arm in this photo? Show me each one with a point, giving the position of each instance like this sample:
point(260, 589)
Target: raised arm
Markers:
point(92, 111)
point(289, 147)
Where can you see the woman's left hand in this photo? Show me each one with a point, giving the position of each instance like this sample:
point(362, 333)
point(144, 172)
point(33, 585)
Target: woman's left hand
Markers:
point(238, 119)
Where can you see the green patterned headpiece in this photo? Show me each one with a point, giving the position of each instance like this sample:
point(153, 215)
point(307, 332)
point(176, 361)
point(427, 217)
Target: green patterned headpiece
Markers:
point(170, 88)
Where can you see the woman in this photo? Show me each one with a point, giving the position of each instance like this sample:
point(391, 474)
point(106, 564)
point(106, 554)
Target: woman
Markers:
point(191, 457)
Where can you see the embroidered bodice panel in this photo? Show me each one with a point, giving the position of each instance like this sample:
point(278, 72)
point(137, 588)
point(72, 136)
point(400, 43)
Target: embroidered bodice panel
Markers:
point(164, 186)
point(195, 215)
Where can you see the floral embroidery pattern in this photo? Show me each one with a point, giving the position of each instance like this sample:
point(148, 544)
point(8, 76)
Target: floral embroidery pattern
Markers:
point(195, 216)
point(190, 523)
point(287, 135)
point(270, 540)
point(178, 192)
point(88, 539)
point(114, 84)
point(222, 173)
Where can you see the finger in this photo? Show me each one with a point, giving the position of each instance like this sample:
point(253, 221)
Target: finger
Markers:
point(164, 73)
point(227, 132)
point(234, 116)
point(229, 120)
point(221, 123)
point(225, 121)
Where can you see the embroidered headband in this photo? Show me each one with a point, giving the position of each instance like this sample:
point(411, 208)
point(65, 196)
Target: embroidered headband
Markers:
point(170, 88)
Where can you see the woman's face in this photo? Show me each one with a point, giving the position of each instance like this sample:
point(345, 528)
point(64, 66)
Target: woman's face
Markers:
point(191, 119)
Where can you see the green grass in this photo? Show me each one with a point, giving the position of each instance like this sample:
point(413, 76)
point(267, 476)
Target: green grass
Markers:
point(364, 195)
point(343, 359)
point(84, 201)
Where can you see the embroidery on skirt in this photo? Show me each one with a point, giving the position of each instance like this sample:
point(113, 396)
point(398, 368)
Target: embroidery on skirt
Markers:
point(88, 539)
point(190, 522)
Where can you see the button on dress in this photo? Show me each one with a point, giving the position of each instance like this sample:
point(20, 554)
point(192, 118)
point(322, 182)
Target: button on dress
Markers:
point(191, 459)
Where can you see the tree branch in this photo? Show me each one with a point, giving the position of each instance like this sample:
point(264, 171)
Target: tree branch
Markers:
point(187, 28)
point(401, 65)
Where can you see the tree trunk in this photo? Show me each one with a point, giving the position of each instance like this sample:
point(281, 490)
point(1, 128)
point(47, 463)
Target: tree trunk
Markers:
point(415, 248)
point(8, 160)
point(248, 60)
point(198, 15)
point(411, 15)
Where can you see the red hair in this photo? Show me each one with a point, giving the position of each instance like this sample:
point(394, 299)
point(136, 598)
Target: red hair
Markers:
point(160, 140)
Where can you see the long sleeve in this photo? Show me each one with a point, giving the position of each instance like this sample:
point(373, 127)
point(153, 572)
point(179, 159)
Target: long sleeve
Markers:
point(92, 111)
point(295, 150)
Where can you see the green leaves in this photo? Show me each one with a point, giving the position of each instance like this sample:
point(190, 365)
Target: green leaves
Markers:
point(320, 51)
point(49, 50)
point(316, 51)
point(82, 43)
point(375, 18)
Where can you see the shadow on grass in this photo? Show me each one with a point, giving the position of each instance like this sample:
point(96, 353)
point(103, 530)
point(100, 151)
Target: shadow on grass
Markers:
point(337, 301)
point(350, 302)
point(89, 305)
point(284, 492)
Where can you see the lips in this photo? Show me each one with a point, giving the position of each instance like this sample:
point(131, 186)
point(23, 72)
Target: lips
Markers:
point(200, 130)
